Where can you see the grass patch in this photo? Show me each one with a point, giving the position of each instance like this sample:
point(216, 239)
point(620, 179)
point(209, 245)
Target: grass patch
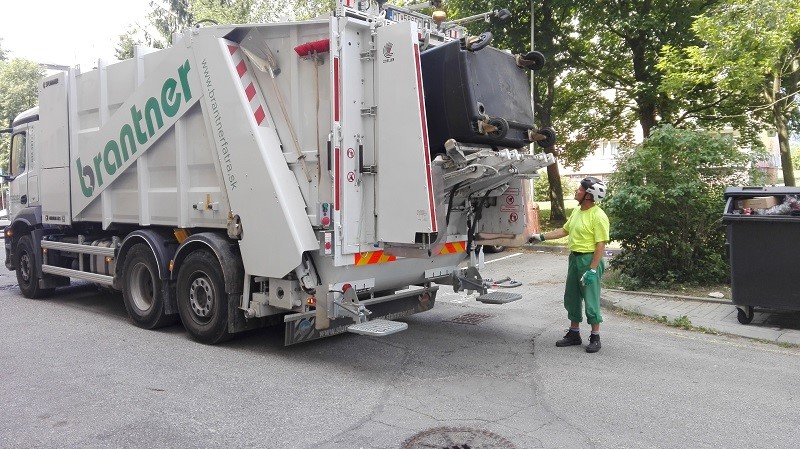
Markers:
point(544, 214)
point(616, 280)
point(682, 322)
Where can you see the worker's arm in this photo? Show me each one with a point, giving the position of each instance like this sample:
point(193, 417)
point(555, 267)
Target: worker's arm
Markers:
point(550, 235)
point(599, 251)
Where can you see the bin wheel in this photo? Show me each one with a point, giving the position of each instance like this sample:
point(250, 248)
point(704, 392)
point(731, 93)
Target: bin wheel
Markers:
point(475, 43)
point(745, 317)
point(549, 137)
point(500, 128)
point(533, 60)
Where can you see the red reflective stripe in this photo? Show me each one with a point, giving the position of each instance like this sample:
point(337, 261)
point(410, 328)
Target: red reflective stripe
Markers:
point(336, 179)
point(250, 90)
point(335, 89)
point(375, 257)
point(423, 119)
point(241, 68)
point(232, 48)
point(260, 115)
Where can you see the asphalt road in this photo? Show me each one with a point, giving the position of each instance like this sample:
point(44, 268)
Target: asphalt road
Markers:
point(74, 373)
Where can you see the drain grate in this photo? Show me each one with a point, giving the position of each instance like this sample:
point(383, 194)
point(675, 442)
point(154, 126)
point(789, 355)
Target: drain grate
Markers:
point(457, 438)
point(470, 318)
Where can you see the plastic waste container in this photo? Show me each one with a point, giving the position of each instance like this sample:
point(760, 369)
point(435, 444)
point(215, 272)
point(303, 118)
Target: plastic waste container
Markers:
point(763, 245)
point(463, 87)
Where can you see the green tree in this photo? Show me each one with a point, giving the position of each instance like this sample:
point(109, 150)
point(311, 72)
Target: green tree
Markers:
point(19, 82)
point(666, 203)
point(2, 52)
point(750, 55)
point(624, 39)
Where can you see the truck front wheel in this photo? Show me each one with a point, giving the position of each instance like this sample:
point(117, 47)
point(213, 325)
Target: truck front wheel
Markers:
point(28, 272)
point(142, 292)
point(202, 301)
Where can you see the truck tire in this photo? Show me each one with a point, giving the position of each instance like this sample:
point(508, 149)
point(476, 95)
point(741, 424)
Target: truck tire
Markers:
point(28, 272)
point(142, 290)
point(202, 300)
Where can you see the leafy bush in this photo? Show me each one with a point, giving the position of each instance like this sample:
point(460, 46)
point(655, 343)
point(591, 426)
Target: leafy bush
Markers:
point(665, 204)
point(541, 188)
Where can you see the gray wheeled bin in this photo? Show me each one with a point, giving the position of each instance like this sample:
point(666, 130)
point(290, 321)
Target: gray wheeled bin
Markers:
point(763, 244)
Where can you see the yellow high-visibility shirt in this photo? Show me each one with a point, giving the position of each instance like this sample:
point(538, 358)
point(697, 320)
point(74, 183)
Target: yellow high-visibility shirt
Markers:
point(587, 228)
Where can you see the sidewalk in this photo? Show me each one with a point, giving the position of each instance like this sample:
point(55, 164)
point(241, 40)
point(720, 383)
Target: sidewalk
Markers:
point(779, 326)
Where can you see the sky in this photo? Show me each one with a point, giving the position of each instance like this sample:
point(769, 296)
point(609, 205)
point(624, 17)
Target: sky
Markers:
point(67, 32)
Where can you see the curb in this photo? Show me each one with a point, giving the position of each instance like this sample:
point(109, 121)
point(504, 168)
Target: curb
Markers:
point(670, 296)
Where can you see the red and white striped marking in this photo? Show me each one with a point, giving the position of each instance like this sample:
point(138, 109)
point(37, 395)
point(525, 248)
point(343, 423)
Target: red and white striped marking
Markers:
point(246, 80)
point(431, 207)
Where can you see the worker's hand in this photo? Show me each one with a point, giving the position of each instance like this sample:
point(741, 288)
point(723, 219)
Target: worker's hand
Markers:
point(536, 238)
point(589, 278)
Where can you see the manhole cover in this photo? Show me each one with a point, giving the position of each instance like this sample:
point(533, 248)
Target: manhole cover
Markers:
point(457, 438)
point(470, 318)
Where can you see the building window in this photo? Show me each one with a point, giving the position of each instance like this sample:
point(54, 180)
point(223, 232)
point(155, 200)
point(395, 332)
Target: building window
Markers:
point(609, 148)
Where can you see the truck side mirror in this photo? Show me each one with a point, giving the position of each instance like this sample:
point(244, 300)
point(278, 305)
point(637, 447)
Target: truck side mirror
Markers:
point(3, 175)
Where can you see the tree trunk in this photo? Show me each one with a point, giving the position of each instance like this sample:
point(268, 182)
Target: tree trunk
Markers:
point(782, 128)
point(647, 117)
point(556, 193)
point(781, 121)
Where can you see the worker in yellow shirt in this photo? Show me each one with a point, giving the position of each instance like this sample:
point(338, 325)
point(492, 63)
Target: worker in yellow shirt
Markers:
point(588, 231)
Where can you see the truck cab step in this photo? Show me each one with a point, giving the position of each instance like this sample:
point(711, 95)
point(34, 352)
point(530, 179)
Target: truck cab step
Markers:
point(377, 328)
point(499, 297)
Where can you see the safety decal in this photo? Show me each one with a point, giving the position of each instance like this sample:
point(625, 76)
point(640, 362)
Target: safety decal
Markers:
point(454, 247)
point(373, 257)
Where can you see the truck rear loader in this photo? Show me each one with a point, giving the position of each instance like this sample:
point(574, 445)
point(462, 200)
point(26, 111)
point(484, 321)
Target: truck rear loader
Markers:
point(301, 173)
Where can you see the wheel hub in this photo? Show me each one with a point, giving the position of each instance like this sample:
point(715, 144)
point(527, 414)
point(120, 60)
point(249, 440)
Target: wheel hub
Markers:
point(25, 266)
point(201, 297)
point(142, 287)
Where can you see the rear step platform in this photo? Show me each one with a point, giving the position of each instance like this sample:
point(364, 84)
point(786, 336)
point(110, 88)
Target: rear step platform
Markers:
point(377, 327)
point(499, 297)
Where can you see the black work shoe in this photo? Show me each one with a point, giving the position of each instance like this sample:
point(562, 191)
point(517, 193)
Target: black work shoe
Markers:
point(572, 338)
point(594, 343)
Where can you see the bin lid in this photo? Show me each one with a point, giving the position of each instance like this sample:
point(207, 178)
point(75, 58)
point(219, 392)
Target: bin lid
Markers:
point(761, 191)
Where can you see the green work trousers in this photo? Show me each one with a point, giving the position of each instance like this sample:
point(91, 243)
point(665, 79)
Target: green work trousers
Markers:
point(575, 293)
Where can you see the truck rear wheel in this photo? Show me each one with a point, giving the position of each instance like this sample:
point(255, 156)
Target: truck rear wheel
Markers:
point(202, 301)
point(28, 272)
point(142, 292)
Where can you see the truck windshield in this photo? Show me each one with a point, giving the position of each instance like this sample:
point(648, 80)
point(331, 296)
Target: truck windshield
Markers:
point(16, 163)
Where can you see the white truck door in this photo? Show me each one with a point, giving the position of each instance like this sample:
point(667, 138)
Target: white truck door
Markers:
point(17, 167)
point(404, 190)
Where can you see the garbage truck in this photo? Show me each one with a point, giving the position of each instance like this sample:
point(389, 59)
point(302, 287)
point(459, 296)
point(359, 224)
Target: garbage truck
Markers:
point(327, 175)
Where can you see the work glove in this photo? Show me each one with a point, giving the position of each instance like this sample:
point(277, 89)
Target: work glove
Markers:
point(536, 238)
point(589, 278)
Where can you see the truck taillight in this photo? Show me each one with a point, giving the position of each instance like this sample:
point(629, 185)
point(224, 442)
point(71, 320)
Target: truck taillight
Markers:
point(311, 301)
